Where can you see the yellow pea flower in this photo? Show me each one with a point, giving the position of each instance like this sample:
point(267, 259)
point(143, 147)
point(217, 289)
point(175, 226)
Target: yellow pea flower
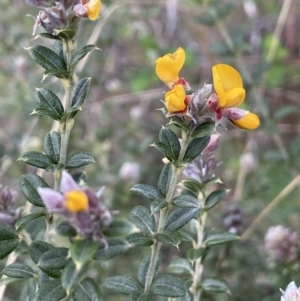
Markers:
point(228, 85)
point(93, 9)
point(76, 201)
point(169, 66)
point(248, 122)
point(175, 99)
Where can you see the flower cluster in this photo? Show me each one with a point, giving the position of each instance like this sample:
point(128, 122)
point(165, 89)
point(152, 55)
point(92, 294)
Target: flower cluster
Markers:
point(82, 207)
point(292, 293)
point(203, 167)
point(229, 92)
point(9, 214)
point(64, 13)
point(282, 243)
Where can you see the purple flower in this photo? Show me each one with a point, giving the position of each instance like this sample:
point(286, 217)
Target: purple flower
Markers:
point(9, 214)
point(82, 207)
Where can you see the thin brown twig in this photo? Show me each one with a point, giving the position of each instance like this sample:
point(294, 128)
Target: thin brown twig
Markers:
point(283, 193)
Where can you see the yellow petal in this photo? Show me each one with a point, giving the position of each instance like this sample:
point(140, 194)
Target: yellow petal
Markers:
point(175, 99)
point(76, 200)
point(234, 97)
point(226, 78)
point(248, 122)
point(169, 66)
point(93, 9)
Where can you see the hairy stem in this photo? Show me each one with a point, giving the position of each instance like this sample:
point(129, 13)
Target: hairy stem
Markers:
point(176, 173)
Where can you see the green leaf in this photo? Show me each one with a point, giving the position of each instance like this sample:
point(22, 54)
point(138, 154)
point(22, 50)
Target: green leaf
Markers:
point(168, 137)
point(179, 122)
point(164, 149)
point(45, 112)
point(38, 248)
point(118, 227)
point(195, 148)
point(79, 176)
point(57, 73)
point(48, 100)
point(168, 286)
point(28, 218)
point(36, 159)
point(121, 284)
point(47, 58)
point(146, 191)
point(143, 269)
point(204, 129)
point(192, 187)
point(220, 238)
point(50, 291)
point(179, 217)
point(187, 235)
point(115, 248)
point(180, 266)
point(18, 270)
point(186, 201)
point(83, 250)
point(78, 160)
point(140, 239)
point(29, 184)
point(81, 54)
point(65, 229)
point(140, 296)
point(80, 92)
point(215, 284)
point(53, 259)
point(87, 290)
point(72, 275)
point(194, 254)
point(143, 219)
point(157, 205)
point(165, 179)
point(65, 34)
point(52, 144)
point(214, 198)
point(9, 240)
point(28, 290)
point(171, 238)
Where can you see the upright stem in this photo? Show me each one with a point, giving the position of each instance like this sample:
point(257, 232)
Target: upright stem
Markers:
point(176, 173)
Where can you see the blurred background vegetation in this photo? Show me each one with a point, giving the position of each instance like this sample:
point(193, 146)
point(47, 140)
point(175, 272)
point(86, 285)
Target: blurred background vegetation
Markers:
point(119, 120)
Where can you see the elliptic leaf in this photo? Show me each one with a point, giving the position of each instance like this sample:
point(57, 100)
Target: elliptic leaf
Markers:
point(47, 58)
point(48, 100)
point(54, 259)
point(195, 148)
point(204, 129)
point(121, 284)
point(140, 239)
point(18, 270)
point(78, 160)
point(36, 159)
point(168, 137)
point(80, 91)
point(142, 218)
point(179, 217)
point(81, 54)
point(52, 144)
point(186, 201)
point(214, 198)
point(215, 284)
point(115, 248)
point(28, 218)
point(168, 286)
point(118, 227)
point(50, 291)
point(143, 269)
point(220, 238)
point(87, 290)
point(146, 191)
point(171, 238)
point(9, 240)
point(83, 250)
point(180, 266)
point(29, 184)
point(165, 179)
